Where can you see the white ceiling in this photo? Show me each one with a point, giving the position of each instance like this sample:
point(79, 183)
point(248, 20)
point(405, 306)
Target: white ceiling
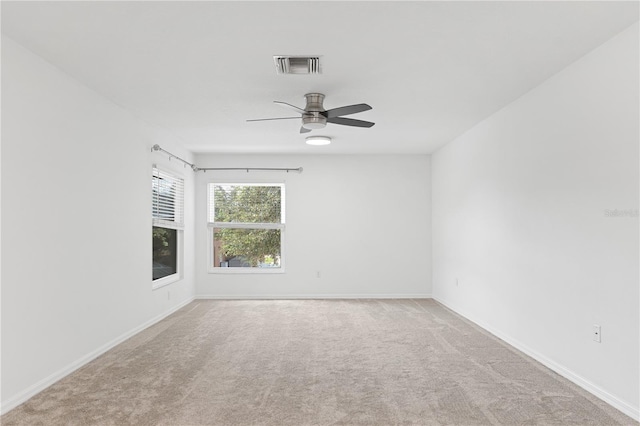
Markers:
point(430, 70)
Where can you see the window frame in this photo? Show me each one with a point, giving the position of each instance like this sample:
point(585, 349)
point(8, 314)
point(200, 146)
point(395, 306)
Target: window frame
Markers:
point(211, 226)
point(178, 226)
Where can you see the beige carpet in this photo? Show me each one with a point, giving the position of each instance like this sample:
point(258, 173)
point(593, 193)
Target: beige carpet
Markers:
point(314, 362)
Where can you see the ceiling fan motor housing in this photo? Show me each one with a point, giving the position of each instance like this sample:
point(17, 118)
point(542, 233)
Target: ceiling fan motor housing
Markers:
point(314, 102)
point(312, 118)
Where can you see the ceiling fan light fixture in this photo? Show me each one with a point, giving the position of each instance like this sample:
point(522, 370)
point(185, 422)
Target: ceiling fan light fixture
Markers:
point(318, 140)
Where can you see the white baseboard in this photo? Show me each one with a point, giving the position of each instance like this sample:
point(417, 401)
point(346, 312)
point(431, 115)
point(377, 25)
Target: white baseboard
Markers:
point(595, 390)
point(310, 296)
point(23, 396)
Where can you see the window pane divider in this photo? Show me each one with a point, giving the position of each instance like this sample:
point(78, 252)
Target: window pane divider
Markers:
point(239, 225)
point(167, 224)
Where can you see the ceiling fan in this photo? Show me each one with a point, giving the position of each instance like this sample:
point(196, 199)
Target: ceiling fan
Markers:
point(314, 116)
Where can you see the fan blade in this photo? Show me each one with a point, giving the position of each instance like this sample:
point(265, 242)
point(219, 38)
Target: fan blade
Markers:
point(349, 122)
point(301, 111)
point(280, 118)
point(346, 110)
point(303, 130)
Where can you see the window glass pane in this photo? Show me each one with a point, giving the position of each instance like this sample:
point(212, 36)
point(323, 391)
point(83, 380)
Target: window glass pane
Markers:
point(165, 252)
point(247, 204)
point(248, 248)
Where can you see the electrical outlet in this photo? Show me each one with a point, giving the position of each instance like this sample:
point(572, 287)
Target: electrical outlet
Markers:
point(317, 274)
point(597, 333)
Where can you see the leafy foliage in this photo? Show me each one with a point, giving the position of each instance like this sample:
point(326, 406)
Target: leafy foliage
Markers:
point(164, 252)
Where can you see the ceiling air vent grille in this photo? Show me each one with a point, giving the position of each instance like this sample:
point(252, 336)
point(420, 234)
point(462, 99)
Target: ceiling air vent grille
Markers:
point(297, 64)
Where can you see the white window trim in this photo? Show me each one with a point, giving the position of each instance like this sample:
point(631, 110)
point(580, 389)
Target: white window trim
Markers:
point(179, 275)
point(281, 226)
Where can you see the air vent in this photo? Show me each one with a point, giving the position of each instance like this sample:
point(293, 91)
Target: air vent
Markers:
point(297, 64)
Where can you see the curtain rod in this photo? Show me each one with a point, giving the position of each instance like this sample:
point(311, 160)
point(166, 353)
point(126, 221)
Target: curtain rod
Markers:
point(248, 169)
point(156, 147)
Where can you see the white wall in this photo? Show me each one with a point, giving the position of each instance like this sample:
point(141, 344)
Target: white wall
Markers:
point(362, 221)
point(76, 226)
point(519, 219)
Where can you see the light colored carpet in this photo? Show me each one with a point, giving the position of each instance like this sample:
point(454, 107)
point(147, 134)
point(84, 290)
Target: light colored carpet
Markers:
point(314, 362)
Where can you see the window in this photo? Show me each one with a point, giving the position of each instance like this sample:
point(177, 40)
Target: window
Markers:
point(246, 227)
point(167, 211)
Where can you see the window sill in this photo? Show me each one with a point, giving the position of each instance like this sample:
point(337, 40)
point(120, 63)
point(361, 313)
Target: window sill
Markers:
point(164, 281)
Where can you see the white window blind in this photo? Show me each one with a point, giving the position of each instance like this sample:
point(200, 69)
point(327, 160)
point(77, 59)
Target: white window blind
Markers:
point(167, 199)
